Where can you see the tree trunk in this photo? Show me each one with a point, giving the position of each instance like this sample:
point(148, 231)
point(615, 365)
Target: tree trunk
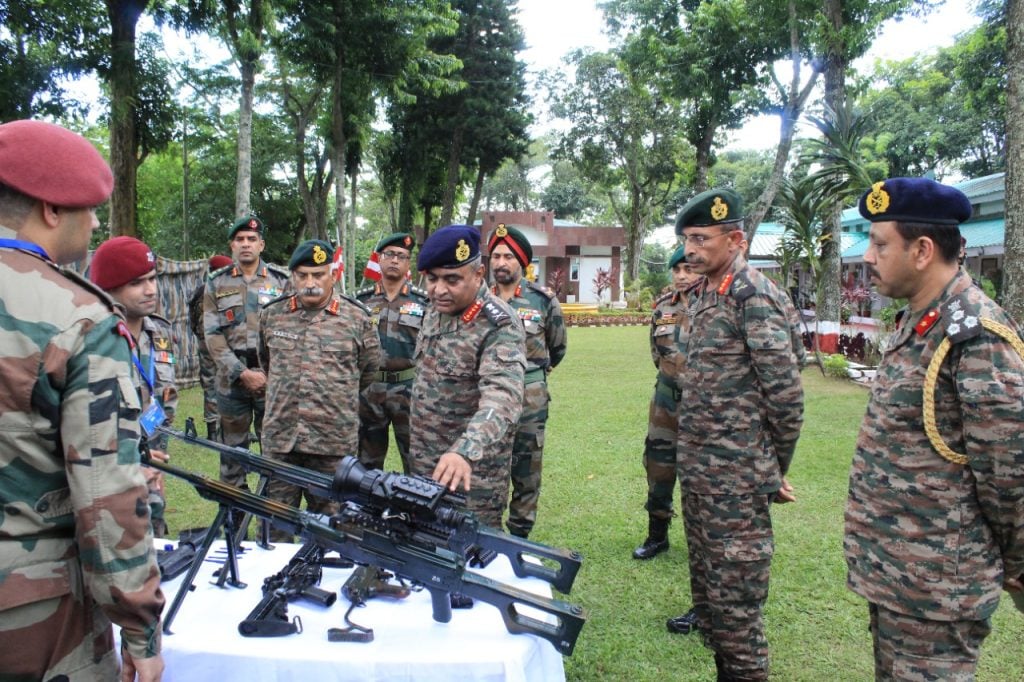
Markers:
point(634, 234)
point(478, 189)
point(703, 159)
point(835, 97)
point(338, 146)
point(350, 246)
point(452, 181)
point(124, 15)
point(1013, 260)
point(243, 182)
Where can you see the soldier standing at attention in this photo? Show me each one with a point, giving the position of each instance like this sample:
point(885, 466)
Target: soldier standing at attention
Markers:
point(320, 351)
point(76, 550)
point(398, 309)
point(125, 268)
point(207, 368)
point(934, 522)
point(468, 390)
point(231, 314)
point(510, 253)
point(740, 413)
point(663, 417)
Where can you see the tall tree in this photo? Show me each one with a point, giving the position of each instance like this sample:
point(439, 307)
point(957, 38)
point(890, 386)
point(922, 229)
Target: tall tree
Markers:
point(1013, 264)
point(625, 136)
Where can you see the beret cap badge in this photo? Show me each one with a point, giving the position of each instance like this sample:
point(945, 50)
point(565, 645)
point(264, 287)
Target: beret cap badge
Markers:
point(719, 209)
point(502, 231)
point(319, 255)
point(407, 241)
point(877, 200)
point(462, 251)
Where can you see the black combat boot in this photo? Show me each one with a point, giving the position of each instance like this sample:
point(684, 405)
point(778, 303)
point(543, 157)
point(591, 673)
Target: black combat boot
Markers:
point(657, 539)
point(684, 624)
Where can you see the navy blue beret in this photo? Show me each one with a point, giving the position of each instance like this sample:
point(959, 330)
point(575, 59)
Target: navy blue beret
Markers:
point(713, 207)
point(918, 200)
point(678, 256)
point(314, 252)
point(450, 247)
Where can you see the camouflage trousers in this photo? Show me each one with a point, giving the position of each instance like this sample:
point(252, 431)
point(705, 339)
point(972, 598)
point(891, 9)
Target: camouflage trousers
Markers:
point(208, 380)
point(239, 410)
point(292, 495)
point(912, 649)
point(54, 633)
point(157, 500)
point(384, 404)
point(660, 448)
point(527, 459)
point(730, 545)
point(488, 486)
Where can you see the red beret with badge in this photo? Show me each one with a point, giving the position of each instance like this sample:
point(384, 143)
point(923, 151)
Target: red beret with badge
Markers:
point(120, 260)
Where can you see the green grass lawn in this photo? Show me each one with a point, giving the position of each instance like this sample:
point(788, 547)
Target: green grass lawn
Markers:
point(592, 501)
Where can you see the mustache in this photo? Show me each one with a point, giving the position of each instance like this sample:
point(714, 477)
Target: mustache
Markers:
point(311, 291)
point(873, 273)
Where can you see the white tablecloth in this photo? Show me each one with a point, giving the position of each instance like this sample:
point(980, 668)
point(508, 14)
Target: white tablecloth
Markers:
point(408, 644)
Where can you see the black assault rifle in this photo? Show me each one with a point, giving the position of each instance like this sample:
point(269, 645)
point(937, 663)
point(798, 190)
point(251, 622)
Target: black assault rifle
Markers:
point(413, 509)
point(366, 537)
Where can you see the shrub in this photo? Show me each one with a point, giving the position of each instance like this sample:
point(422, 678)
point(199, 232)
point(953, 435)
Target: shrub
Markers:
point(837, 366)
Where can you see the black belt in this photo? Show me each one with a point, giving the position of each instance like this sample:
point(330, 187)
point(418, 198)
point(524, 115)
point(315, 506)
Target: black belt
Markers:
point(248, 358)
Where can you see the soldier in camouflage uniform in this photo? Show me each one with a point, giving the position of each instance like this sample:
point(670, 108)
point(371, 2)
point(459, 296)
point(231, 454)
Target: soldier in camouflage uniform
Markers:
point(76, 550)
point(207, 368)
point(663, 417)
point(231, 306)
point(320, 351)
point(468, 390)
point(510, 252)
point(125, 268)
point(740, 413)
point(935, 523)
point(398, 309)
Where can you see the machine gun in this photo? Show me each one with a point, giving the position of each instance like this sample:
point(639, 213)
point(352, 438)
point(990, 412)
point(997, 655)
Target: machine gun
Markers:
point(297, 580)
point(367, 538)
point(412, 509)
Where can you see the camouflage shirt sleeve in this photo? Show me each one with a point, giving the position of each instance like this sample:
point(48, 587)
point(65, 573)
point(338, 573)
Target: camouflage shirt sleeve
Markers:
point(990, 383)
point(262, 352)
point(100, 437)
point(501, 370)
point(555, 331)
point(655, 355)
point(370, 353)
point(768, 328)
point(216, 340)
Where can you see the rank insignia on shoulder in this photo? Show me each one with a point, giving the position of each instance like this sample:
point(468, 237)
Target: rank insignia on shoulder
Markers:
point(470, 313)
point(495, 314)
point(724, 286)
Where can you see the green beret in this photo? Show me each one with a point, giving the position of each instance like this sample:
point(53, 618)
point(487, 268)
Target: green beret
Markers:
point(311, 252)
point(678, 256)
point(400, 239)
point(515, 240)
point(713, 207)
point(249, 222)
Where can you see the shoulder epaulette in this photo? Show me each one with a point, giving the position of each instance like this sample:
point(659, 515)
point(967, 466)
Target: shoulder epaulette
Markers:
point(961, 318)
point(220, 271)
point(356, 302)
point(495, 314)
point(422, 293)
point(365, 291)
point(279, 270)
point(88, 285)
point(742, 288)
point(159, 319)
point(546, 292)
point(664, 298)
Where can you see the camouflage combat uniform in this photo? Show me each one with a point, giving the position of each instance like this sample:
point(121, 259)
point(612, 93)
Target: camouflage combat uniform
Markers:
point(927, 541)
point(76, 550)
point(386, 402)
point(541, 315)
point(467, 397)
point(663, 421)
point(317, 363)
point(741, 386)
point(231, 308)
point(157, 353)
point(207, 368)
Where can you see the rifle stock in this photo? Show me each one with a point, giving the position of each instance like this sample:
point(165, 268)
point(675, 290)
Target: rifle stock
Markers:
point(367, 538)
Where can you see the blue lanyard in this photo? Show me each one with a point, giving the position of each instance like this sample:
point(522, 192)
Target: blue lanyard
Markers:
point(24, 246)
point(150, 377)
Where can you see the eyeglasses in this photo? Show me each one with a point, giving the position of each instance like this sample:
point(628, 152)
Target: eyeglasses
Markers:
point(394, 255)
point(699, 240)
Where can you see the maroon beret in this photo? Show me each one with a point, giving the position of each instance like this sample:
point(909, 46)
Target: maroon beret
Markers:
point(51, 163)
point(120, 260)
point(218, 261)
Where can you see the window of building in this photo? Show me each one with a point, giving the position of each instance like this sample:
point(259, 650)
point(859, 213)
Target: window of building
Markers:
point(574, 269)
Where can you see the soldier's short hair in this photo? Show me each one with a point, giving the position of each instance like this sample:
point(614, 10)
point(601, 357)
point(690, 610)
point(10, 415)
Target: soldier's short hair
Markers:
point(946, 238)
